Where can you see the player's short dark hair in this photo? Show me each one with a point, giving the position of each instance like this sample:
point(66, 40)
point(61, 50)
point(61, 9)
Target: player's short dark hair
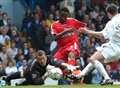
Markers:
point(65, 9)
point(112, 9)
point(41, 53)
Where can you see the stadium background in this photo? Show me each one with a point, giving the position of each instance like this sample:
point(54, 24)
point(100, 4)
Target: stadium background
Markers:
point(22, 31)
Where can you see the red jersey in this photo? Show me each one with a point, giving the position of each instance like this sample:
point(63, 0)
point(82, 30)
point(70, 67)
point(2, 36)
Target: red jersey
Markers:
point(70, 38)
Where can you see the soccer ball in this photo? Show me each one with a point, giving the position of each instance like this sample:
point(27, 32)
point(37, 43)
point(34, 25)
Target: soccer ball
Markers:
point(55, 73)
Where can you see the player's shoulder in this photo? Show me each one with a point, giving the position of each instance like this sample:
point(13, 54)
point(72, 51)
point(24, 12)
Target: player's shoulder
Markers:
point(83, 24)
point(115, 18)
point(54, 23)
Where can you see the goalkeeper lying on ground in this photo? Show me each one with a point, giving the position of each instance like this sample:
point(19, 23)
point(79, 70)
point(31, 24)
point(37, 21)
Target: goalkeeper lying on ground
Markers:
point(38, 71)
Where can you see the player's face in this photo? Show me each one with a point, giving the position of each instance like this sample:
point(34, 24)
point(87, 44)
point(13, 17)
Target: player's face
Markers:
point(42, 60)
point(109, 15)
point(63, 17)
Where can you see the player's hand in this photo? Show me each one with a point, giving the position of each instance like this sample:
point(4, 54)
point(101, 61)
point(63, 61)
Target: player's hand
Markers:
point(49, 67)
point(83, 30)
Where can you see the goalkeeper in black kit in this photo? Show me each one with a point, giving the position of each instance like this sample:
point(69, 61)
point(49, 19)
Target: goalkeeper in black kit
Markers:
point(37, 72)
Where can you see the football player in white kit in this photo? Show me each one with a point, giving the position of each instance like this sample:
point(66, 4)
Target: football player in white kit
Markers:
point(108, 51)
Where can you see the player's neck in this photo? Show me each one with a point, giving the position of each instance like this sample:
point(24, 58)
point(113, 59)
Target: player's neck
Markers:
point(63, 22)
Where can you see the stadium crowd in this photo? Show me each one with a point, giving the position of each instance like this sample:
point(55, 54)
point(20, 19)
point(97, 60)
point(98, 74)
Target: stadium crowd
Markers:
point(18, 46)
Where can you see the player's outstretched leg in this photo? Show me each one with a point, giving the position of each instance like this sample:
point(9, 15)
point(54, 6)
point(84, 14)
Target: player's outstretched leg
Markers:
point(95, 60)
point(99, 66)
point(95, 63)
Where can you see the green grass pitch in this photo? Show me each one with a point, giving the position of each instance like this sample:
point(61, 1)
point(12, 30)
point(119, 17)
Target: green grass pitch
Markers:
point(65, 86)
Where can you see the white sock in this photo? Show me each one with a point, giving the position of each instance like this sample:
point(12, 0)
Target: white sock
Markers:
point(88, 68)
point(99, 66)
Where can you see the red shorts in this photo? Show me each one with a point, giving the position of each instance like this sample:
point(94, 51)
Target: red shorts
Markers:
point(62, 53)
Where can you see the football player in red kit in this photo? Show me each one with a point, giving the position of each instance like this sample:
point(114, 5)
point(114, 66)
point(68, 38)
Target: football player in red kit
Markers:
point(65, 32)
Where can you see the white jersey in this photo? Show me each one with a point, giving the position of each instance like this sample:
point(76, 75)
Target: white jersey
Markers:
point(112, 31)
point(111, 49)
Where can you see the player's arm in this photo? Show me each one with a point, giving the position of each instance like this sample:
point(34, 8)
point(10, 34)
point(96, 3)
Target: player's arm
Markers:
point(66, 30)
point(92, 33)
point(35, 75)
point(59, 35)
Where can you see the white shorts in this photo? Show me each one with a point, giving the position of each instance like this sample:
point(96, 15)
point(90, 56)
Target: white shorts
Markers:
point(110, 52)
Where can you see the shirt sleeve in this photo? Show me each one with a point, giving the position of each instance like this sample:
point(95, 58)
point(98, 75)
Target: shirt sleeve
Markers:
point(108, 30)
point(36, 77)
point(53, 30)
point(79, 24)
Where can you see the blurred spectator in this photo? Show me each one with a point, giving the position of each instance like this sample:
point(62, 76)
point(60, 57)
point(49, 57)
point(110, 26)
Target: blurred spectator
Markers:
point(26, 23)
point(87, 19)
point(0, 16)
point(57, 15)
point(88, 4)
point(2, 70)
point(40, 30)
point(4, 38)
point(50, 20)
point(10, 23)
point(10, 68)
point(113, 70)
point(4, 20)
point(26, 49)
point(39, 12)
point(52, 10)
point(15, 37)
point(32, 55)
point(47, 37)
point(20, 52)
point(12, 51)
point(24, 66)
point(19, 63)
point(35, 30)
point(3, 55)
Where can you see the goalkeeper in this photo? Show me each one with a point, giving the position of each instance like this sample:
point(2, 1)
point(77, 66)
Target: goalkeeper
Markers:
point(37, 72)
